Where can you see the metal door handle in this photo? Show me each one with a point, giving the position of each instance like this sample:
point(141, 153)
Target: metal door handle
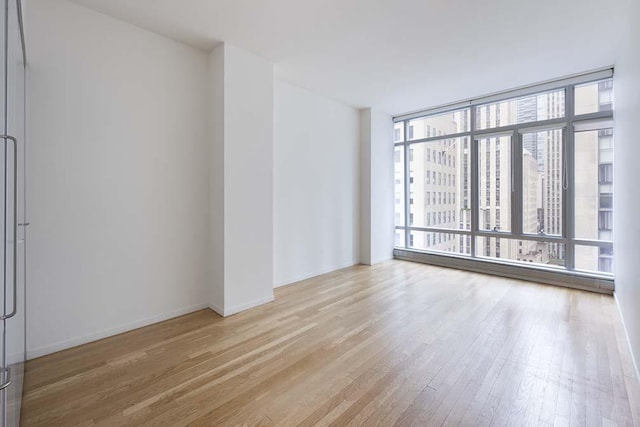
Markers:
point(15, 228)
point(7, 381)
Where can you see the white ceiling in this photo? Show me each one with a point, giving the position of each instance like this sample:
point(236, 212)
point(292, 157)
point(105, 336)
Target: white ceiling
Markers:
point(399, 55)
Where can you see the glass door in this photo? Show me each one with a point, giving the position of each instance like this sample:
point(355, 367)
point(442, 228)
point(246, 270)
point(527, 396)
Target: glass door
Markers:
point(12, 158)
point(4, 373)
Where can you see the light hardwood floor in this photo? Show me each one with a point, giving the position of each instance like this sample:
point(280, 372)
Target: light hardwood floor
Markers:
point(399, 343)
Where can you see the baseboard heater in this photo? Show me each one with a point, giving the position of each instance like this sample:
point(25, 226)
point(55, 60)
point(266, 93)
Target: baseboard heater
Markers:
point(567, 279)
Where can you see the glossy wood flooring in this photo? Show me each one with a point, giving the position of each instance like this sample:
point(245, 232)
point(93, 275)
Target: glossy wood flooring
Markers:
point(395, 344)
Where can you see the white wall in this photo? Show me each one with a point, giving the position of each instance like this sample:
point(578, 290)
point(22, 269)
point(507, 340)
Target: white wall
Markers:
point(316, 184)
point(365, 187)
point(627, 198)
point(248, 180)
point(215, 286)
point(117, 176)
point(382, 224)
point(376, 186)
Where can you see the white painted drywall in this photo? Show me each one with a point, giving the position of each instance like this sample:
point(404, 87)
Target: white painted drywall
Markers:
point(365, 187)
point(248, 180)
point(215, 287)
point(241, 180)
point(382, 226)
point(316, 184)
point(627, 197)
point(376, 186)
point(117, 176)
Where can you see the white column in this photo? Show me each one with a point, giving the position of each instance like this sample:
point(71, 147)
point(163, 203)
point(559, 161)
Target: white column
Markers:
point(376, 186)
point(241, 180)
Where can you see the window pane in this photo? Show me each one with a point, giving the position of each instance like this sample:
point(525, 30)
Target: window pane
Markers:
point(437, 184)
point(399, 239)
point(542, 165)
point(594, 97)
point(543, 106)
point(439, 125)
point(593, 258)
point(398, 132)
point(445, 242)
point(399, 185)
point(594, 184)
point(526, 251)
point(494, 192)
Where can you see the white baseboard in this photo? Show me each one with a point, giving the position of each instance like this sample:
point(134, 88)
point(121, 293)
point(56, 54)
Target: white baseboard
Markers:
point(246, 306)
point(626, 334)
point(217, 309)
point(378, 260)
point(314, 273)
point(383, 259)
point(74, 342)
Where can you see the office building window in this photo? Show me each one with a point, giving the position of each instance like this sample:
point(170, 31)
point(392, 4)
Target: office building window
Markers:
point(536, 157)
point(433, 199)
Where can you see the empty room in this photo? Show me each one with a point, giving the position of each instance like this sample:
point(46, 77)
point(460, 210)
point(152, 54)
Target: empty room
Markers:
point(332, 213)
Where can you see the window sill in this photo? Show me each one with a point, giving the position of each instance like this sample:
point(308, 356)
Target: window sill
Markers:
point(602, 283)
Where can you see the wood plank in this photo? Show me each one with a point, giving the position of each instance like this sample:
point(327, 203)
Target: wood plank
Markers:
point(398, 343)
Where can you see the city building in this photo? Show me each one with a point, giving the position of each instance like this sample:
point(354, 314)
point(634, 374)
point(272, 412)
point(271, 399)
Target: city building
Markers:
point(439, 179)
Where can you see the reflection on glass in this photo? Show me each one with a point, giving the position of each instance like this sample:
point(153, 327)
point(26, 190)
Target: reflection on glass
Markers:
point(594, 184)
point(526, 251)
point(542, 106)
point(594, 97)
point(494, 180)
point(542, 166)
point(444, 242)
point(593, 258)
point(439, 125)
point(438, 174)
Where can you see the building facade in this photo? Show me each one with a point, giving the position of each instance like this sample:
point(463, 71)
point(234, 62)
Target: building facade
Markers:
point(440, 178)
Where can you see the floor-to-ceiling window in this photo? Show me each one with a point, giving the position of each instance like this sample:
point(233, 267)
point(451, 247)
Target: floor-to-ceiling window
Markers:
point(524, 177)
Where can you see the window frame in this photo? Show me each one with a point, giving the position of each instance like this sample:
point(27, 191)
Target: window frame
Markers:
point(568, 124)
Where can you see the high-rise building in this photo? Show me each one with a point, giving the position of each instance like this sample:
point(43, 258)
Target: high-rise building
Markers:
point(440, 179)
